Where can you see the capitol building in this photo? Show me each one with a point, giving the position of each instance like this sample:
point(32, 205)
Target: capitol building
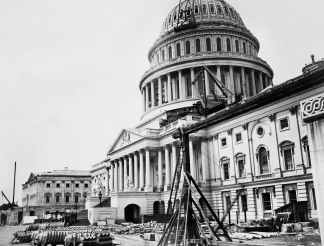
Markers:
point(205, 72)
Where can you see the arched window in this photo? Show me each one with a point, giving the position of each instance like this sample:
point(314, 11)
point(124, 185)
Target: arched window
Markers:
point(196, 9)
point(228, 44)
point(263, 160)
point(163, 55)
point(249, 51)
point(219, 9)
point(178, 50)
point(198, 49)
point(204, 8)
point(219, 44)
point(212, 8)
point(170, 52)
point(232, 13)
point(158, 58)
point(244, 48)
point(175, 15)
point(187, 47)
point(237, 46)
point(181, 13)
point(208, 44)
point(226, 10)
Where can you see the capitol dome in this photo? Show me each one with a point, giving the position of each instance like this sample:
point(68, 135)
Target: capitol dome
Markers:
point(197, 34)
point(216, 12)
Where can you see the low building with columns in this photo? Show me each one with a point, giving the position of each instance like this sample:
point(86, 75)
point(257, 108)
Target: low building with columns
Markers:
point(258, 140)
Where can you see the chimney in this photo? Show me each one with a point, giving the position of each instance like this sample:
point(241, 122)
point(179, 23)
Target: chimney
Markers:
point(313, 59)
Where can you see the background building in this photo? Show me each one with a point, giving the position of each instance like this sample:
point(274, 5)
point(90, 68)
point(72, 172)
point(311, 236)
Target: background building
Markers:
point(255, 137)
point(56, 191)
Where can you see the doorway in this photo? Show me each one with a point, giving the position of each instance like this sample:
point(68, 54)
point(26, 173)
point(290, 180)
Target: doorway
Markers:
point(132, 213)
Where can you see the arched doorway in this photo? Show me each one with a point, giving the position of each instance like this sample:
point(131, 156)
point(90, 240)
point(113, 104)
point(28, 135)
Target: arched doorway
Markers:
point(20, 216)
point(132, 213)
point(32, 213)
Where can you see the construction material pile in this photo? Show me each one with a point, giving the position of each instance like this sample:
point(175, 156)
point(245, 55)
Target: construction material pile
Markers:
point(88, 235)
point(45, 226)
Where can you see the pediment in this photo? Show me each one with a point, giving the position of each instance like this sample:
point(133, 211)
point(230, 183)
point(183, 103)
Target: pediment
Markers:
point(126, 137)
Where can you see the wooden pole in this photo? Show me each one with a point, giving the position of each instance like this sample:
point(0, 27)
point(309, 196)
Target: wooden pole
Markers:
point(13, 195)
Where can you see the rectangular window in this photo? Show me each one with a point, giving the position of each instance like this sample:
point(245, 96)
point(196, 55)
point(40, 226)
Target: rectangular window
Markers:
point(47, 199)
point(226, 171)
point(77, 185)
point(241, 168)
point(266, 201)
point(57, 199)
point(244, 203)
point(284, 124)
point(288, 159)
point(86, 185)
point(314, 199)
point(292, 196)
point(223, 142)
point(48, 185)
point(67, 185)
point(76, 199)
point(57, 185)
point(227, 201)
point(238, 138)
point(67, 199)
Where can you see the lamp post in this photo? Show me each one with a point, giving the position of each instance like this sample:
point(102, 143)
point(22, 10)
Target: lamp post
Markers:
point(100, 196)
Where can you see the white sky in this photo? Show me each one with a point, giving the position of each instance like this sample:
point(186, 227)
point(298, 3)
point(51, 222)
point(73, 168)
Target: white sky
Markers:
point(70, 69)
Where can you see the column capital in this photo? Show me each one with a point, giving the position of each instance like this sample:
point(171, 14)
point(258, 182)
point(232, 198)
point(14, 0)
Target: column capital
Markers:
point(121, 158)
point(242, 68)
point(203, 139)
point(216, 136)
point(192, 68)
point(272, 117)
point(141, 151)
point(130, 155)
point(244, 126)
point(160, 149)
point(210, 138)
point(229, 131)
point(167, 146)
point(231, 66)
point(135, 153)
point(218, 66)
point(175, 143)
point(191, 138)
point(147, 148)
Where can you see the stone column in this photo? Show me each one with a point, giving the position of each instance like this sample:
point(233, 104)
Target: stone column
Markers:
point(116, 176)
point(141, 152)
point(271, 82)
point(207, 83)
point(125, 172)
point(218, 75)
point(130, 165)
point(160, 91)
point(121, 173)
point(169, 88)
point(174, 158)
point(204, 159)
point(192, 158)
point(152, 94)
point(167, 168)
point(261, 81)
point(192, 77)
point(253, 83)
point(266, 80)
point(181, 91)
point(312, 110)
point(211, 159)
point(135, 170)
point(160, 169)
point(112, 176)
point(148, 185)
point(174, 89)
point(147, 97)
point(232, 86)
point(108, 179)
point(243, 82)
point(143, 101)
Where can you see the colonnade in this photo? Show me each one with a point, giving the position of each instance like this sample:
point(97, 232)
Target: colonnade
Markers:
point(174, 86)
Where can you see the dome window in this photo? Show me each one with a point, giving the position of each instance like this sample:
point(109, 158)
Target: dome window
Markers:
point(170, 52)
point(187, 47)
point(226, 11)
point(188, 12)
point(219, 44)
point(212, 8)
point(178, 50)
point(163, 55)
point(198, 49)
point(175, 15)
point(232, 12)
point(244, 48)
point(228, 44)
point(170, 19)
point(208, 44)
point(219, 9)
point(237, 46)
point(181, 14)
point(204, 8)
point(249, 50)
point(196, 9)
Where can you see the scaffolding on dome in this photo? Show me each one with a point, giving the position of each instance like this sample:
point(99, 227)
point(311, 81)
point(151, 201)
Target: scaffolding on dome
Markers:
point(185, 16)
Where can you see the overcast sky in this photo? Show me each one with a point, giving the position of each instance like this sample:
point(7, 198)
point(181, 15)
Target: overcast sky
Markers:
point(70, 70)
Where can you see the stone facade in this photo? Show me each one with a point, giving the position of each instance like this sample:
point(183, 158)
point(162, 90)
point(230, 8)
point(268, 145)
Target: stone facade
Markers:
point(258, 140)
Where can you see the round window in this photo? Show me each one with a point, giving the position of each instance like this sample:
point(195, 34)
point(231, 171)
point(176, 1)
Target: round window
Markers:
point(260, 131)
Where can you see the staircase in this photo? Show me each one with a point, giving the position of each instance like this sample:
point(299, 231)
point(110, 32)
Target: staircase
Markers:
point(105, 203)
point(82, 219)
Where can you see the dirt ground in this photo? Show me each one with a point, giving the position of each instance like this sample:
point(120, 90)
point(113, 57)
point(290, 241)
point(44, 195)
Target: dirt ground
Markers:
point(6, 234)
